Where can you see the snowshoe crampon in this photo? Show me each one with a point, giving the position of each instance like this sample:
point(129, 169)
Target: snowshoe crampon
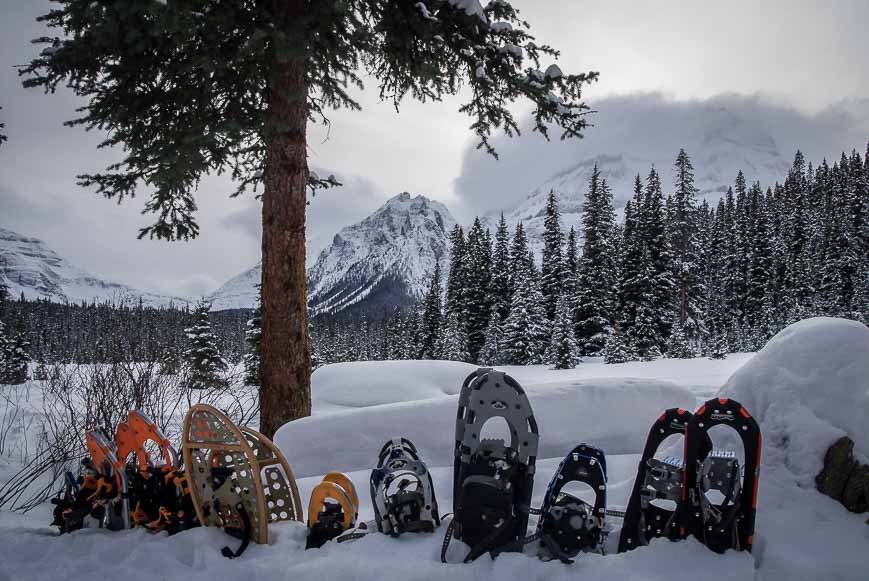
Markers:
point(238, 479)
point(719, 497)
point(402, 492)
point(569, 524)
point(652, 507)
point(333, 509)
point(492, 479)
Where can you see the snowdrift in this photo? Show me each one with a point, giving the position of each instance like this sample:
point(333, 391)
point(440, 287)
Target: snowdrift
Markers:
point(807, 387)
point(614, 414)
point(342, 386)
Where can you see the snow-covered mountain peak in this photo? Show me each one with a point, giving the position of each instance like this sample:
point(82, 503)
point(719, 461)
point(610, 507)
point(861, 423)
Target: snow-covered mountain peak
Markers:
point(30, 267)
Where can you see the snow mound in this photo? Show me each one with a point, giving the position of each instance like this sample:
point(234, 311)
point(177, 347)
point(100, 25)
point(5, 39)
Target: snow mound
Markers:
point(807, 387)
point(370, 383)
point(613, 413)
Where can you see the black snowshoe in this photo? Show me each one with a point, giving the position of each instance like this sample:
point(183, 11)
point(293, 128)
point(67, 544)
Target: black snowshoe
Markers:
point(402, 492)
point(719, 498)
point(567, 523)
point(653, 505)
point(492, 480)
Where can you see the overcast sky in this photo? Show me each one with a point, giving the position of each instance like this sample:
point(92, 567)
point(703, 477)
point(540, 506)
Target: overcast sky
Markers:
point(798, 67)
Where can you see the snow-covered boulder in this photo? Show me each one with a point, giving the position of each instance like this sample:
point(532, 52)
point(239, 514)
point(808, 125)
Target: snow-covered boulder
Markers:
point(613, 413)
point(360, 384)
point(808, 387)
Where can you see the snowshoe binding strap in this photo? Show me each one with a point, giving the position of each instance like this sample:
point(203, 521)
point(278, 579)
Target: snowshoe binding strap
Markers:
point(567, 523)
point(402, 492)
point(648, 516)
point(112, 490)
point(493, 480)
point(725, 522)
point(332, 509)
point(132, 436)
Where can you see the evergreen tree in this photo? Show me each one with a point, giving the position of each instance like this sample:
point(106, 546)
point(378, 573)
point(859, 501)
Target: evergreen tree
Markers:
point(499, 287)
point(562, 348)
point(718, 348)
point(685, 243)
point(596, 298)
point(15, 360)
point(617, 350)
point(552, 269)
point(455, 296)
point(492, 352)
point(571, 266)
point(478, 275)
point(631, 269)
point(203, 358)
point(253, 337)
point(454, 340)
point(190, 89)
point(524, 330)
point(678, 346)
point(430, 324)
point(658, 285)
point(520, 263)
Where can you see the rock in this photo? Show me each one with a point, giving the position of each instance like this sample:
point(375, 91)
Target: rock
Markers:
point(839, 463)
point(856, 495)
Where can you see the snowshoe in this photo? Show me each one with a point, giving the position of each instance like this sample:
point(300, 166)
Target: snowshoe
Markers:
point(493, 480)
point(653, 505)
point(719, 498)
point(402, 492)
point(110, 480)
point(569, 524)
point(333, 509)
point(238, 480)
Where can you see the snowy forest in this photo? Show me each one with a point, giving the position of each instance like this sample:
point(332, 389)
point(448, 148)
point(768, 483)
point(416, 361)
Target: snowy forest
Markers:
point(678, 277)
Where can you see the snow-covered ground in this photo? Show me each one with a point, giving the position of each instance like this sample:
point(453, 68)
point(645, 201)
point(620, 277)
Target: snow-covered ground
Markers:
point(810, 385)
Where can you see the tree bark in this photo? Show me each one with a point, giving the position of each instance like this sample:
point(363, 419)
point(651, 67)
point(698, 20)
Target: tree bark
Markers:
point(285, 369)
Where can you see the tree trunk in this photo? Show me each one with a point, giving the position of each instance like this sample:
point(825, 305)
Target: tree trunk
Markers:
point(285, 370)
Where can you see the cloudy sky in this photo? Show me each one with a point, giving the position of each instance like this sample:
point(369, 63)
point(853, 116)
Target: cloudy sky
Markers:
point(795, 69)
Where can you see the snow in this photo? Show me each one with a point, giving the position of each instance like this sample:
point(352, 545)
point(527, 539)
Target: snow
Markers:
point(801, 534)
point(471, 8)
point(30, 267)
point(810, 383)
point(553, 72)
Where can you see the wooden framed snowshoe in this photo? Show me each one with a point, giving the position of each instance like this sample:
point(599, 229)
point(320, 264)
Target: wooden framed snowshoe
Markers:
point(493, 479)
point(719, 497)
point(332, 510)
point(402, 491)
point(653, 505)
point(238, 479)
point(568, 524)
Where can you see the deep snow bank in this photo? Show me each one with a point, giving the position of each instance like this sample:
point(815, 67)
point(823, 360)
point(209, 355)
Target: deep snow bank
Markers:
point(614, 414)
point(807, 387)
point(369, 383)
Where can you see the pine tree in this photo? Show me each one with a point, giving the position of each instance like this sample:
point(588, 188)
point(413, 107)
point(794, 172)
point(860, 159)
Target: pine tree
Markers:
point(552, 269)
point(499, 287)
point(430, 325)
point(202, 357)
point(520, 264)
point(685, 243)
point(616, 350)
point(562, 348)
point(456, 279)
point(596, 298)
point(571, 266)
point(658, 281)
point(718, 348)
point(631, 273)
point(453, 344)
point(492, 352)
point(190, 89)
point(253, 338)
point(15, 360)
point(478, 275)
point(524, 330)
point(678, 346)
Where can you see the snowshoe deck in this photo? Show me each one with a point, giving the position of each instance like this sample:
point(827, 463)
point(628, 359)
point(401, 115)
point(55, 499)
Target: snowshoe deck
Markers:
point(402, 491)
point(656, 481)
point(569, 524)
point(332, 510)
point(226, 478)
point(133, 436)
point(492, 479)
point(728, 521)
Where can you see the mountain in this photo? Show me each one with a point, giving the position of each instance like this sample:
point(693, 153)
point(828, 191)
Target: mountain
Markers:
point(719, 142)
point(29, 266)
point(384, 260)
